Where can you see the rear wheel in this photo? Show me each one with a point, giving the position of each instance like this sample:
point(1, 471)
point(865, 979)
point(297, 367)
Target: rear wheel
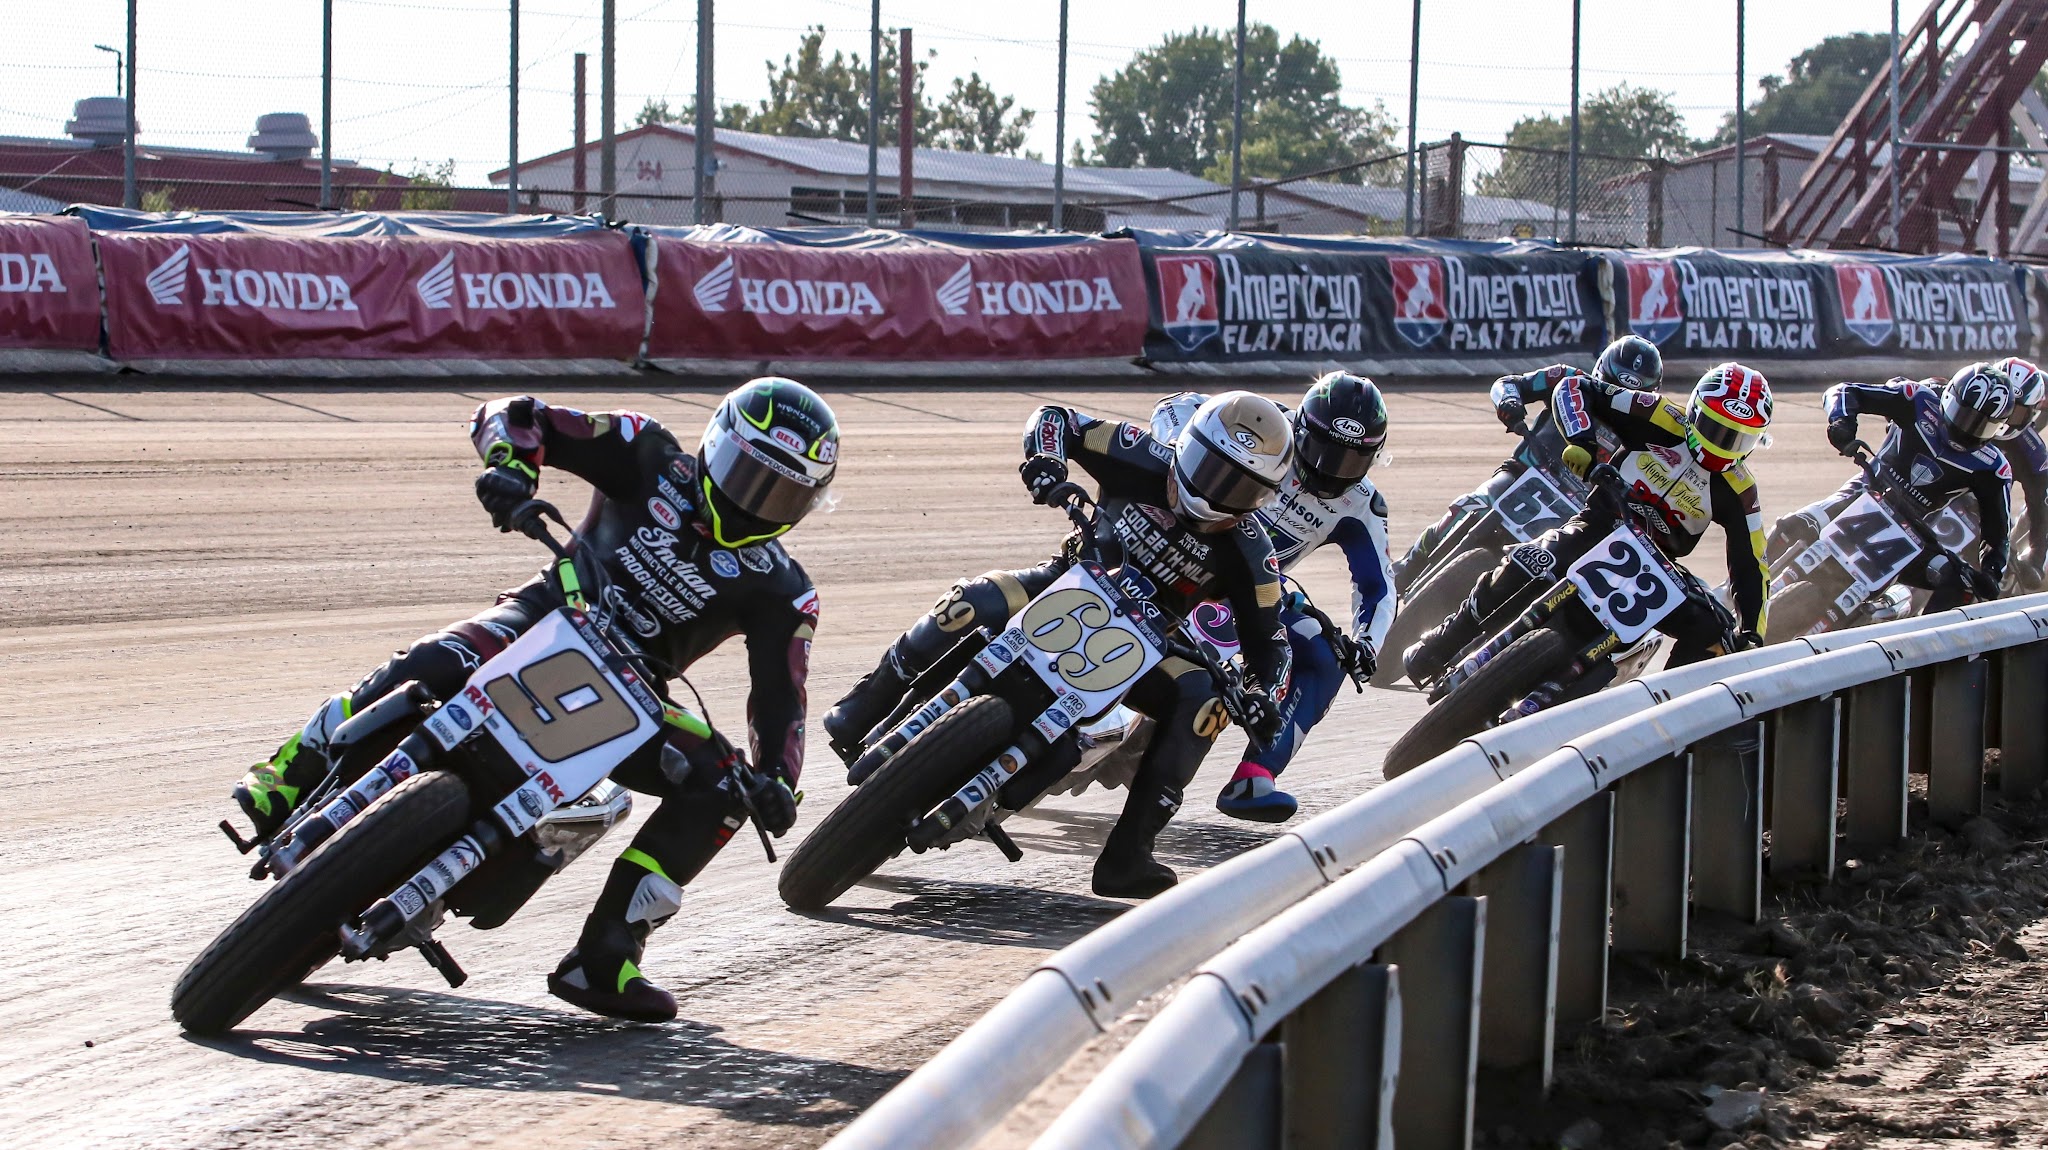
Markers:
point(290, 930)
point(1796, 609)
point(868, 828)
point(1479, 700)
point(1428, 606)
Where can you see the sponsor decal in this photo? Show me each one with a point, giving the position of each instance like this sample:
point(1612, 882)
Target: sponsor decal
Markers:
point(1866, 305)
point(548, 784)
point(788, 439)
point(664, 513)
point(757, 559)
point(246, 287)
point(961, 291)
point(1939, 310)
point(1188, 305)
point(724, 565)
point(1513, 310)
point(1129, 434)
point(479, 700)
point(33, 272)
point(643, 624)
point(460, 716)
point(1924, 471)
point(1533, 559)
point(806, 603)
point(1294, 311)
point(783, 296)
point(1653, 310)
point(630, 425)
point(436, 288)
point(462, 652)
point(1419, 314)
point(530, 803)
point(1348, 427)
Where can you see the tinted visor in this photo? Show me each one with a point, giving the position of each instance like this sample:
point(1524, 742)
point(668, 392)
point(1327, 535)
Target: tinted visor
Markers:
point(756, 483)
point(1218, 479)
point(1973, 425)
point(1333, 459)
point(1723, 439)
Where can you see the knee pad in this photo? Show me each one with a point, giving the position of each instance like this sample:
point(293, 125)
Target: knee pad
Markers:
point(654, 901)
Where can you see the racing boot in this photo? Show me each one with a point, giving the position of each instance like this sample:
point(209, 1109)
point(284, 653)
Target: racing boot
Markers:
point(1439, 645)
point(1252, 795)
point(271, 790)
point(601, 973)
point(870, 701)
point(1126, 868)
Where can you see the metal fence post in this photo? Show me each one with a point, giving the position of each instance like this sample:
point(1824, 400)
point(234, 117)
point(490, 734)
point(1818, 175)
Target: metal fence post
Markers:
point(1919, 718)
point(1340, 1054)
point(1246, 1116)
point(1803, 788)
point(1441, 959)
point(1518, 1012)
point(2022, 739)
point(1728, 823)
point(1587, 891)
point(1955, 763)
point(1653, 857)
point(1874, 745)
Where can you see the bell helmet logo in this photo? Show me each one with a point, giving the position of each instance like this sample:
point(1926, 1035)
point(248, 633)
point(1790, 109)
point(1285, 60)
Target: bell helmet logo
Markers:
point(1419, 314)
point(1866, 304)
point(1653, 310)
point(1187, 300)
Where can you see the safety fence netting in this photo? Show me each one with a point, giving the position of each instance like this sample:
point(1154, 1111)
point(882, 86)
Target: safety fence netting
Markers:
point(139, 287)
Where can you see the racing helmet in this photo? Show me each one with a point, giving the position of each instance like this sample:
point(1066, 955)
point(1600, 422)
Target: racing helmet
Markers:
point(1338, 432)
point(2029, 391)
point(767, 458)
point(1975, 403)
point(1229, 460)
point(1631, 362)
point(1727, 416)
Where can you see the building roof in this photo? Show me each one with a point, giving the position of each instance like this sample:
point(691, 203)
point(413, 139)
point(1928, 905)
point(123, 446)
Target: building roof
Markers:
point(1391, 203)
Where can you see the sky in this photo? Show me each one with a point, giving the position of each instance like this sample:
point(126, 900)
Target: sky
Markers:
point(423, 83)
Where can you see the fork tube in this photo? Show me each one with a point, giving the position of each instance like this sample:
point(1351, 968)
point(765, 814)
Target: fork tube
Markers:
point(398, 766)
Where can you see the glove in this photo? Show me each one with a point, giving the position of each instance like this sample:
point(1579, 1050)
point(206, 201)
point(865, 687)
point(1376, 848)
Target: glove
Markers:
point(1577, 460)
point(1041, 474)
point(1994, 574)
point(502, 489)
point(1513, 414)
point(774, 803)
point(1261, 714)
point(1748, 641)
point(1294, 602)
point(1357, 659)
point(1842, 434)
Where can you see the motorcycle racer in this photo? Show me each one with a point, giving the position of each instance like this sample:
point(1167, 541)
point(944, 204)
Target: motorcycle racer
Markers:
point(1327, 497)
point(1184, 518)
point(1683, 468)
point(690, 538)
point(2028, 454)
point(1631, 362)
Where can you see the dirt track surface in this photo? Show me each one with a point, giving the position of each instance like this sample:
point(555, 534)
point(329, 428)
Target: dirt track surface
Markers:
point(188, 571)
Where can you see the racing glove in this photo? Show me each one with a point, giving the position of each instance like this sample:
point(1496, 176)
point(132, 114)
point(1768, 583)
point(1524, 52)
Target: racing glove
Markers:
point(503, 488)
point(1748, 641)
point(1261, 714)
point(1041, 474)
point(1842, 434)
point(1577, 460)
point(773, 803)
point(1357, 659)
point(1994, 574)
point(1513, 414)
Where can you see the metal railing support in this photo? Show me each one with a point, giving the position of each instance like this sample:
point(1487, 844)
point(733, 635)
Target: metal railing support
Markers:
point(1441, 956)
point(1586, 892)
point(1955, 763)
point(1874, 746)
point(1919, 716)
point(1653, 858)
point(1518, 1015)
point(1247, 1114)
point(1728, 823)
point(1803, 788)
point(2022, 737)
point(1340, 1063)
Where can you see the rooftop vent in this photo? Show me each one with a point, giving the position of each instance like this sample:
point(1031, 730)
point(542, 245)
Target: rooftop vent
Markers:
point(101, 121)
point(284, 136)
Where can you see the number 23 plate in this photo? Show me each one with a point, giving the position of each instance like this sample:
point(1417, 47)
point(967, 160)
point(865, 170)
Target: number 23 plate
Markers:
point(1625, 586)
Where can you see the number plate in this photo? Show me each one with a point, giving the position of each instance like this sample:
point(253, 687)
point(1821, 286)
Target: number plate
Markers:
point(1870, 544)
point(1532, 505)
point(1081, 645)
point(1626, 584)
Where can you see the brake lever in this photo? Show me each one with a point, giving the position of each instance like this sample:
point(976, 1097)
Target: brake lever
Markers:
point(746, 778)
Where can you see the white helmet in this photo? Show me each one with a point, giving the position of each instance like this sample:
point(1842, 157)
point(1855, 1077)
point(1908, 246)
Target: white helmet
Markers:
point(1230, 459)
point(2029, 391)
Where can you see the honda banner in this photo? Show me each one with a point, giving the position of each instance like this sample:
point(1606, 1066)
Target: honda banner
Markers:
point(1253, 302)
point(1705, 304)
point(260, 296)
point(49, 294)
point(904, 302)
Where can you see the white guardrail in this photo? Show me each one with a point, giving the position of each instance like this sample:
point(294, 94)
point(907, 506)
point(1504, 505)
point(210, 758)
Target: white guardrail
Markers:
point(1331, 908)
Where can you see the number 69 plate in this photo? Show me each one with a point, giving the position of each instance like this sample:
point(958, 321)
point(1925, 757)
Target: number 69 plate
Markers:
point(1625, 585)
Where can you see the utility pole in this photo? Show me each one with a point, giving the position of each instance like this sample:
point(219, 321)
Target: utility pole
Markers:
point(1059, 133)
point(1414, 90)
point(906, 134)
point(326, 104)
point(1237, 122)
point(1741, 138)
point(1573, 232)
point(579, 179)
point(707, 122)
point(130, 198)
point(1896, 154)
point(607, 107)
point(874, 100)
point(512, 120)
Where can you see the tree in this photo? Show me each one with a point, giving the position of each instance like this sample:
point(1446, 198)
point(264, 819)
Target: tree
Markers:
point(1621, 121)
point(1818, 89)
point(1170, 108)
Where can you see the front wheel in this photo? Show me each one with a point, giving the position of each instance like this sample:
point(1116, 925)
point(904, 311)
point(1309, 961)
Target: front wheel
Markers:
point(290, 931)
point(868, 828)
point(1427, 606)
point(1479, 700)
point(1796, 610)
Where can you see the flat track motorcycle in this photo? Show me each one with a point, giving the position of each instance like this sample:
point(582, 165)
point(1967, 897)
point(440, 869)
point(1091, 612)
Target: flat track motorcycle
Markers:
point(466, 806)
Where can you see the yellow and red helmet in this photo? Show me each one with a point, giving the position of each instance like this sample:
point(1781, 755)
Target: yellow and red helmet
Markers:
point(1729, 412)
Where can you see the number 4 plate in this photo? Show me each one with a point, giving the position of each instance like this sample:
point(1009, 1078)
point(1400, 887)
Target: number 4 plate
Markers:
point(1625, 585)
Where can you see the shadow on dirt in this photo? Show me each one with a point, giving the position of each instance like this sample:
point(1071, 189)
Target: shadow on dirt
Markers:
point(1181, 845)
point(990, 914)
point(431, 1038)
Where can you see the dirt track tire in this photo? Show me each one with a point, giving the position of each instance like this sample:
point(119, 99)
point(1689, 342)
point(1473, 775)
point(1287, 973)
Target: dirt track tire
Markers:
point(1795, 609)
point(868, 828)
point(1479, 700)
point(1428, 606)
point(289, 931)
